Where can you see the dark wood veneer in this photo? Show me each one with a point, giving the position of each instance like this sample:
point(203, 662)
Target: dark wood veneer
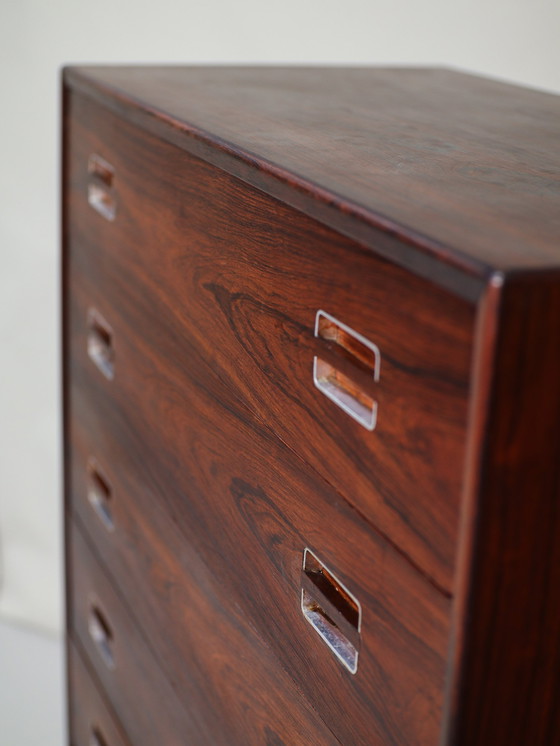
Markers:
point(213, 244)
point(224, 686)
point(90, 716)
point(226, 207)
point(506, 643)
point(462, 170)
point(147, 706)
point(250, 511)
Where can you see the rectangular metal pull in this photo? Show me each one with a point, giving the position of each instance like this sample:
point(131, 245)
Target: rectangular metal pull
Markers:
point(96, 738)
point(99, 494)
point(100, 343)
point(101, 634)
point(101, 194)
point(331, 610)
point(337, 385)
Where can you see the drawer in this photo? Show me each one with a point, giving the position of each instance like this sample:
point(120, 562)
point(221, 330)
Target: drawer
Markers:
point(217, 666)
point(191, 461)
point(128, 671)
point(91, 722)
point(236, 279)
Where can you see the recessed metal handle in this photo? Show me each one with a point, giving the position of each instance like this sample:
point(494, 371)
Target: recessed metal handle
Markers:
point(101, 634)
point(100, 494)
point(100, 343)
point(333, 612)
point(338, 385)
point(96, 737)
point(101, 191)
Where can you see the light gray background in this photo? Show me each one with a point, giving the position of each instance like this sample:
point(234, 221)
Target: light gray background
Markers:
point(517, 40)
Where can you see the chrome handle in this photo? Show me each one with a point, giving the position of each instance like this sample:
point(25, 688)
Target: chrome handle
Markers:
point(96, 738)
point(333, 612)
point(338, 386)
point(100, 343)
point(100, 494)
point(102, 636)
point(101, 191)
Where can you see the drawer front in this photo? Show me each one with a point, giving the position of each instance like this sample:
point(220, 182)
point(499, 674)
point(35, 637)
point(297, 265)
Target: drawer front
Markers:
point(91, 723)
point(250, 508)
point(243, 277)
point(220, 668)
point(146, 703)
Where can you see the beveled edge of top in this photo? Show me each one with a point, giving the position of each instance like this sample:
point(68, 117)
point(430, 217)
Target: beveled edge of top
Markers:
point(445, 266)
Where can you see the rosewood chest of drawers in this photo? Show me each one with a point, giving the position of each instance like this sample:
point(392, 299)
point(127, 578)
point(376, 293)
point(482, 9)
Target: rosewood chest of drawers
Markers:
point(311, 325)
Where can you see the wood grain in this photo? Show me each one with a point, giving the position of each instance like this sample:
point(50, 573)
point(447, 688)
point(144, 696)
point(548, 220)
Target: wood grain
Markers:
point(147, 706)
point(420, 207)
point(89, 714)
point(193, 461)
point(218, 668)
point(465, 171)
point(505, 686)
point(203, 250)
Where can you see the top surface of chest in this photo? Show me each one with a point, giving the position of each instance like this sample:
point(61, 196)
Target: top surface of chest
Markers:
point(463, 169)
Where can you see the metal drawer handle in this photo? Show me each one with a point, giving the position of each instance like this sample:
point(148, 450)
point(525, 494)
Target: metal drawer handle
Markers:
point(333, 612)
point(99, 494)
point(96, 738)
point(100, 343)
point(101, 193)
point(359, 355)
point(102, 635)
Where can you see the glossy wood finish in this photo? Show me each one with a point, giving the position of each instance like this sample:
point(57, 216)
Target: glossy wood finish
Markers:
point(214, 245)
point(91, 721)
point(229, 205)
point(249, 508)
point(463, 170)
point(218, 668)
point(506, 643)
point(147, 706)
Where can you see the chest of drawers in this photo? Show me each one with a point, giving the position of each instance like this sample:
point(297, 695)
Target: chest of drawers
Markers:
point(311, 327)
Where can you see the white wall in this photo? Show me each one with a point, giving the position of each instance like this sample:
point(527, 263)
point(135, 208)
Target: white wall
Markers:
point(513, 39)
